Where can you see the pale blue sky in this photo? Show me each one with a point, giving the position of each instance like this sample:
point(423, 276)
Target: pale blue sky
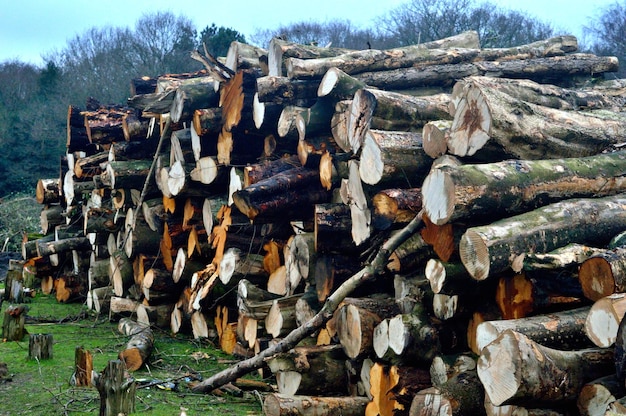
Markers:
point(29, 29)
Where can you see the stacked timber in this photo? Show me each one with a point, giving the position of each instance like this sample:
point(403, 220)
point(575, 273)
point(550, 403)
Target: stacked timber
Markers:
point(235, 201)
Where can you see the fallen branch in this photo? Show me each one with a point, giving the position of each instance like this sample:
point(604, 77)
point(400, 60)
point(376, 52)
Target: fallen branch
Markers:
point(369, 272)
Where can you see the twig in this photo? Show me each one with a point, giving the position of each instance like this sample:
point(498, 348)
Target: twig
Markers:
point(369, 272)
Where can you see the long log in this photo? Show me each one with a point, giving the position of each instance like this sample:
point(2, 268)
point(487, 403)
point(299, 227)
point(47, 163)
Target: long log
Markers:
point(496, 190)
point(516, 370)
point(560, 70)
point(276, 404)
point(491, 249)
point(562, 330)
point(506, 127)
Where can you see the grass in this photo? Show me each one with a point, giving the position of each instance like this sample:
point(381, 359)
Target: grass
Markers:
point(43, 387)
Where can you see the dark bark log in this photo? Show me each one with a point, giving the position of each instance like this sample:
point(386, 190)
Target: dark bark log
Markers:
point(279, 50)
point(40, 347)
point(563, 330)
point(461, 395)
point(13, 322)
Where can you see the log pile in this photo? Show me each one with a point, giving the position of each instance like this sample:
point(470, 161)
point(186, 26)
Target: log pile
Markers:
point(233, 202)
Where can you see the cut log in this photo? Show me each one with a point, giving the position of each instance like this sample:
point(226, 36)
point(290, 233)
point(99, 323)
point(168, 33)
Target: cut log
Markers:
point(281, 194)
point(276, 404)
point(461, 395)
point(457, 193)
point(491, 249)
point(393, 388)
point(486, 116)
point(516, 370)
point(595, 396)
point(245, 56)
point(605, 315)
point(395, 206)
point(386, 110)
point(47, 191)
point(13, 322)
point(563, 330)
point(391, 159)
point(374, 60)
point(188, 97)
point(279, 50)
point(285, 91)
point(298, 370)
point(604, 274)
point(139, 346)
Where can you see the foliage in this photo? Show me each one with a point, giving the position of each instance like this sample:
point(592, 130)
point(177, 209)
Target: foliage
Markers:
point(19, 213)
point(608, 33)
point(218, 39)
point(42, 387)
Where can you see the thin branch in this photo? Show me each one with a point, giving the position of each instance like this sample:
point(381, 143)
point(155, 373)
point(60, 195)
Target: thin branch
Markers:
point(369, 272)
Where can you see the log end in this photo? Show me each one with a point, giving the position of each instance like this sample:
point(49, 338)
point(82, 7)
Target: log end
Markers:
point(438, 196)
point(497, 368)
point(596, 278)
point(474, 255)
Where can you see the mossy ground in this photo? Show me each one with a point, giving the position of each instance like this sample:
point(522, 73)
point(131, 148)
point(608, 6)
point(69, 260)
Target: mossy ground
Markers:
point(43, 387)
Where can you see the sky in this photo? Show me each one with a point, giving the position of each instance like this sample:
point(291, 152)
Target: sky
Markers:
point(30, 29)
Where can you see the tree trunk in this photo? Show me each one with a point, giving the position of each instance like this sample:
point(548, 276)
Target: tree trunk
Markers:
point(83, 364)
point(516, 370)
point(13, 322)
point(117, 391)
point(588, 221)
point(488, 117)
point(496, 190)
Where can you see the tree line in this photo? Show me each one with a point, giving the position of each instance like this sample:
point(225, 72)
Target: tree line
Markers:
point(101, 62)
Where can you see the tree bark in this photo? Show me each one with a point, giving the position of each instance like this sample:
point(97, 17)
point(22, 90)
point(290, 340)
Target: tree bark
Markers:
point(40, 347)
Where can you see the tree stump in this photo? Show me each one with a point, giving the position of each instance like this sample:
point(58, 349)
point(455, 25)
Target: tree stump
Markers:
point(40, 347)
point(13, 323)
point(117, 391)
point(83, 372)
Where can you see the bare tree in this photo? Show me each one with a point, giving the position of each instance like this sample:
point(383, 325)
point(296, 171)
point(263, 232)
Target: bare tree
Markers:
point(608, 33)
point(426, 20)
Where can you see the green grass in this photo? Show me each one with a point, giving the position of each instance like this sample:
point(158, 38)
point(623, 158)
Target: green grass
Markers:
point(43, 388)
